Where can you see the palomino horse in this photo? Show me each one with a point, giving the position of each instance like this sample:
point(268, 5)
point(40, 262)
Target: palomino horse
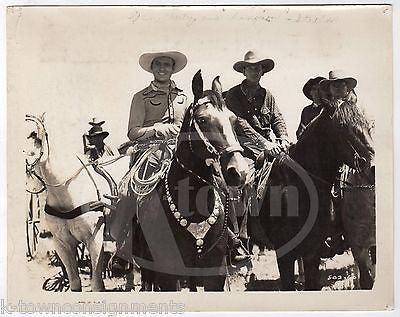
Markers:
point(358, 217)
point(184, 221)
point(295, 210)
point(73, 211)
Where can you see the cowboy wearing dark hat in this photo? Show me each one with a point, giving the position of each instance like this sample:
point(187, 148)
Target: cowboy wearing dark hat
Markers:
point(94, 146)
point(310, 90)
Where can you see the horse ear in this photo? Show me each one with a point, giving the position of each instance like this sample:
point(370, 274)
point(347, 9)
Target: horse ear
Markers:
point(42, 116)
point(216, 86)
point(197, 86)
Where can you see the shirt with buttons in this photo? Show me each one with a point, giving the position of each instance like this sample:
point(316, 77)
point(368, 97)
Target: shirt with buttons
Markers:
point(155, 104)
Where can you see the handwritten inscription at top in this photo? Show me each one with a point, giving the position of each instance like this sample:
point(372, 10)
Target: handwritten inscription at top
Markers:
point(230, 15)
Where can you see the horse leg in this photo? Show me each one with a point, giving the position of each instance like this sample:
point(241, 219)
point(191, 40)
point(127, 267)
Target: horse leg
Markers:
point(167, 282)
point(365, 266)
point(96, 251)
point(192, 284)
point(68, 255)
point(214, 283)
point(300, 280)
point(130, 281)
point(286, 272)
point(148, 280)
point(312, 274)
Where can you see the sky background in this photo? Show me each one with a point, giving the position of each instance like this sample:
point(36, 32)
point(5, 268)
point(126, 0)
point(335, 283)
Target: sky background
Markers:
point(75, 63)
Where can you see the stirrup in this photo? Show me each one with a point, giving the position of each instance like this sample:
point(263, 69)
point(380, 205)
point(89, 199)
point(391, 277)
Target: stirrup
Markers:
point(238, 256)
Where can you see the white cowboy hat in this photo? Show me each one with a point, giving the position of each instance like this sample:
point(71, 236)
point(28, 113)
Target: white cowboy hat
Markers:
point(146, 59)
point(250, 58)
point(335, 75)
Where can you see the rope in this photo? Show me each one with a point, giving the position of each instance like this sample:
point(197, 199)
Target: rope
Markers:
point(143, 186)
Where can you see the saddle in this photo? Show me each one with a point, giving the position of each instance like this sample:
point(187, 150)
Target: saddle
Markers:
point(148, 166)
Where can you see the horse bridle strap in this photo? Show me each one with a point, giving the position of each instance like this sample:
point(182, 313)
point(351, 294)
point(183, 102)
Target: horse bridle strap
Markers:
point(90, 206)
point(235, 147)
point(31, 166)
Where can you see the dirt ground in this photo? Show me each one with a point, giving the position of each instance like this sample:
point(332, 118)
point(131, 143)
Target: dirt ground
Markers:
point(338, 273)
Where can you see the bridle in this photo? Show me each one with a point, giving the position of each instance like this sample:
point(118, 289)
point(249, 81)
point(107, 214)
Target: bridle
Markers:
point(215, 153)
point(214, 160)
point(30, 167)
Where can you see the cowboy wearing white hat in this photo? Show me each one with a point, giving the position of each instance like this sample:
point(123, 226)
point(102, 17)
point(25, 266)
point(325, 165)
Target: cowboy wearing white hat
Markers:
point(338, 90)
point(338, 85)
point(256, 105)
point(257, 113)
point(157, 110)
point(156, 113)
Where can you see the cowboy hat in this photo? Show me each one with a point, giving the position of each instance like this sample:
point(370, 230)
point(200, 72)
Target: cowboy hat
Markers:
point(309, 85)
point(335, 75)
point(146, 59)
point(250, 58)
point(96, 121)
point(97, 130)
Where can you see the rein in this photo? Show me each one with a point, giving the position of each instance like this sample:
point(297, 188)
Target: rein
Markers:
point(215, 159)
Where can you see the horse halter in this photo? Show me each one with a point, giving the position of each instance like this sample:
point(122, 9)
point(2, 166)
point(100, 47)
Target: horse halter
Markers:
point(39, 124)
point(216, 153)
point(357, 158)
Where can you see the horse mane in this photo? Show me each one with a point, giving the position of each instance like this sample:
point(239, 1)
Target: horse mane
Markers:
point(349, 114)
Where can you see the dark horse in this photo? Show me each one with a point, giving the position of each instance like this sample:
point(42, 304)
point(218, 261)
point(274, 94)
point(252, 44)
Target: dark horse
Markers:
point(295, 212)
point(184, 221)
point(358, 216)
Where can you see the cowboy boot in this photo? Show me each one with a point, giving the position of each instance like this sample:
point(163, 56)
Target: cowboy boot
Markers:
point(238, 254)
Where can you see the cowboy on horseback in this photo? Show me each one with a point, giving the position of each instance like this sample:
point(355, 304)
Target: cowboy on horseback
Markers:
point(155, 119)
point(93, 141)
point(336, 90)
point(258, 117)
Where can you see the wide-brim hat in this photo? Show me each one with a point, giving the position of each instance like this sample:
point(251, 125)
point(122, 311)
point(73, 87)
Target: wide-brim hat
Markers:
point(335, 75)
point(309, 85)
point(96, 121)
point(146, 59)
point(251, 58)
point(97, 130)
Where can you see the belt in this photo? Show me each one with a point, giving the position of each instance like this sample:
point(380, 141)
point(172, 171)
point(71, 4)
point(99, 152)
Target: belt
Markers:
point(96, 206)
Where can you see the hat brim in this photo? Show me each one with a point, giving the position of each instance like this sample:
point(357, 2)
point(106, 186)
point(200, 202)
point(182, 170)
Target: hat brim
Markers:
point(350, 81)
point(92, 123)
point(267, 64)
point(104, 133)
point(146, 59)
point(309, 85)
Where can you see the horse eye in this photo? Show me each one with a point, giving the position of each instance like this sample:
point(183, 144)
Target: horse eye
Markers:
point(33, 135)
point(201, 121)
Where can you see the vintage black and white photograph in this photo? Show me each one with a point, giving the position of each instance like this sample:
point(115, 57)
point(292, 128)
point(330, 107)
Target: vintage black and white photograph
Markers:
point(201, 149)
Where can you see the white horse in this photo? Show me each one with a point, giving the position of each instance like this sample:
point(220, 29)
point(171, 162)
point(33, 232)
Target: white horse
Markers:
point(74, 209)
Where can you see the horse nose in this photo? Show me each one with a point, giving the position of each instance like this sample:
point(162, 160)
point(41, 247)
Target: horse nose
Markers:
point(237, 170)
